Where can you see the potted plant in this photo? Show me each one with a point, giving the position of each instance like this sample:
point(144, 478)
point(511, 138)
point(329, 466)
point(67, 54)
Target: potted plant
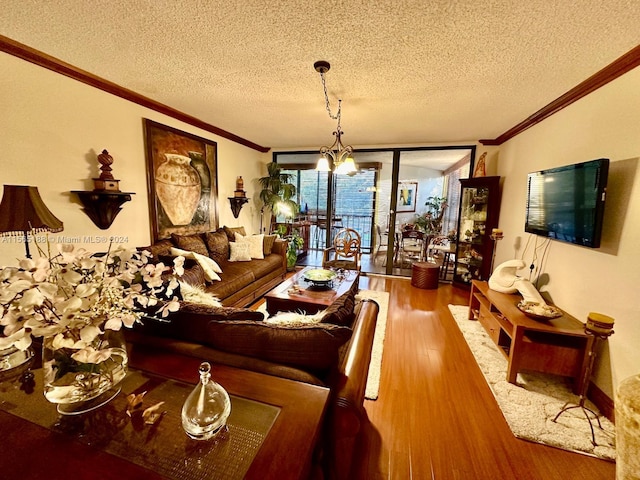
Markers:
point(430, 222)
point(295, 244)
point(278, 192)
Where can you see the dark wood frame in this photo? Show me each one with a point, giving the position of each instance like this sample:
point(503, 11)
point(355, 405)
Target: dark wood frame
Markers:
point(161, 140)
point(412, 206)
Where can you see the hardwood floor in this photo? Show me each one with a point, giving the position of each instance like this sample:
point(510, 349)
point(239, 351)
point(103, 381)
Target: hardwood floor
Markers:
point(436, 417)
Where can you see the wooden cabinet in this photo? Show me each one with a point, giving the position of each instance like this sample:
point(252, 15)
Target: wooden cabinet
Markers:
point(479, 211)
point(559, 346)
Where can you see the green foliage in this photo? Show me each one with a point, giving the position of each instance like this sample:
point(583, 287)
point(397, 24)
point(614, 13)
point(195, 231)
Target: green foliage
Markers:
point(295, 243)
point(431, 221)
point(278, 192)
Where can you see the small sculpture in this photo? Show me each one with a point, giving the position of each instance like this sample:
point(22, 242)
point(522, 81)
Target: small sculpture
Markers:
point(106, 180)
point(106, 161)
point(480, 170)
point(239, 192)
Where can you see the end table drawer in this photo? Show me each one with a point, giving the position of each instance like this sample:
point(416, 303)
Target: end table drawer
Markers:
point(489, 323)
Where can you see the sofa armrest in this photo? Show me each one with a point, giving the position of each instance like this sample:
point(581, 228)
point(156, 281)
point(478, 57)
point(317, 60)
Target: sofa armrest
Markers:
point(348, 389)
point(280, 248)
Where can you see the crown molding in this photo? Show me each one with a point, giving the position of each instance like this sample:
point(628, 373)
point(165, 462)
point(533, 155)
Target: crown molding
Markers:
point(41, 59)
point(619, 67)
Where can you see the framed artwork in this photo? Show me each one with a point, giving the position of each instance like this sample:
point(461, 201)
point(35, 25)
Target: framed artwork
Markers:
point(407, 195)
point(182, 181)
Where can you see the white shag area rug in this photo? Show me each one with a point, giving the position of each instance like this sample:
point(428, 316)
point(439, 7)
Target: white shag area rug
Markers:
point(530, 406)
point(373, 380)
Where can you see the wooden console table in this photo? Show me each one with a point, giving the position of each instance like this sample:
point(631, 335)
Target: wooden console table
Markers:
point(559, 346)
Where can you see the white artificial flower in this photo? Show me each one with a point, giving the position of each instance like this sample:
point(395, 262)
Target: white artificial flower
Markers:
point(91, 355)
point(73, 296)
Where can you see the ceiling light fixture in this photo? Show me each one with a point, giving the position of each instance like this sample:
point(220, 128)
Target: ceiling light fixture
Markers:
point(340, 155)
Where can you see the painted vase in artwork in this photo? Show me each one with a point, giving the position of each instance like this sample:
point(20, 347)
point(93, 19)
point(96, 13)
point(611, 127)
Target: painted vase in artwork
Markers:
point(178, 188)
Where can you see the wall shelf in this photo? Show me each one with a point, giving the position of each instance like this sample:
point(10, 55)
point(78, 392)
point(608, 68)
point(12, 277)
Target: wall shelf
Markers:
point(102, 206)
point(236, 204)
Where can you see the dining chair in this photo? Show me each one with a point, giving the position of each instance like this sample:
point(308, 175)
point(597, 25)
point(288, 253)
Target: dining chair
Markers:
point(382, 242)
point(345, 251)
point(412, 248)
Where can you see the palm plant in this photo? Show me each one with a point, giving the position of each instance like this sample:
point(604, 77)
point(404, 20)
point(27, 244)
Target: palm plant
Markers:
point(278, 192)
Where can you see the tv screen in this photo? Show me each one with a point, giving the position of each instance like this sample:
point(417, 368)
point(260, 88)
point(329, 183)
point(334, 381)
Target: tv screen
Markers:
point(567, 203)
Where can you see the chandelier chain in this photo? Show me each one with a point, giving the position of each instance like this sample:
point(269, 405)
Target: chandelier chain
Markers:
point(328, 104)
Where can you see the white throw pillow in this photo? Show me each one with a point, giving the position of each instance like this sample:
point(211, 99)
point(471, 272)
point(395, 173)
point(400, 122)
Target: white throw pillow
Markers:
point(210, 267)
point(239, 252)
point(295, 318)
point(256, 244)
point(193, 294)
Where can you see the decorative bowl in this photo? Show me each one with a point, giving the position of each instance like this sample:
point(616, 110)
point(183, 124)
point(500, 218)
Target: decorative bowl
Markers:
point(539, 312)
point(320, 276)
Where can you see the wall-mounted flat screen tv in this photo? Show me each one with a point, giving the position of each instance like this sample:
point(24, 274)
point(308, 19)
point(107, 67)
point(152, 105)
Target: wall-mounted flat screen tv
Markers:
point(567, 203)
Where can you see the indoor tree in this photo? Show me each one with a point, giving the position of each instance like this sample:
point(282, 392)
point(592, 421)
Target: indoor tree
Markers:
point(278, 193)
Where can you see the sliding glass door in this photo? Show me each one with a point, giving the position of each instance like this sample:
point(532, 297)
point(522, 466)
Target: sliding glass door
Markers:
point(393, 191)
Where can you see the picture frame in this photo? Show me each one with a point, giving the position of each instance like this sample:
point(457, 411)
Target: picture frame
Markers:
point(182, 181)
point(407, 196)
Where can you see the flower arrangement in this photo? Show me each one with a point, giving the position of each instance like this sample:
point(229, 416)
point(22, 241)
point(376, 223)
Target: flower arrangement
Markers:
point(74, 298)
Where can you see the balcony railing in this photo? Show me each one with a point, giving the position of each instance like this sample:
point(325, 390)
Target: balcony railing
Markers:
point(360, 223)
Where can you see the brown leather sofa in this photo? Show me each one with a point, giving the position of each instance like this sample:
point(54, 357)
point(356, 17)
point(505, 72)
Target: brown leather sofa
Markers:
point(221, 335)
point(242, 282)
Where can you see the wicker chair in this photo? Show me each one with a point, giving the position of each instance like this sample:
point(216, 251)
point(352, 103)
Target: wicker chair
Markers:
point(345, 251)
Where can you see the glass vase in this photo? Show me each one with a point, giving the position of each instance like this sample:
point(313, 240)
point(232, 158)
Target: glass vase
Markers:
point(78, 387)
point(206, 409)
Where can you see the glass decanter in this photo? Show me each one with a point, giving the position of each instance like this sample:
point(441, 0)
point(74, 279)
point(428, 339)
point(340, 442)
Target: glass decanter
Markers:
point(206, 409)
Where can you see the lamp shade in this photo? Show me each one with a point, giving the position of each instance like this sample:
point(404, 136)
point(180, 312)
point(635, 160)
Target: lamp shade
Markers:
point(22, 210)
point(323, 165)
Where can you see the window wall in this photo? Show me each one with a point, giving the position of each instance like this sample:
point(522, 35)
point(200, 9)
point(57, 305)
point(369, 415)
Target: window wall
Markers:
point(388, 192)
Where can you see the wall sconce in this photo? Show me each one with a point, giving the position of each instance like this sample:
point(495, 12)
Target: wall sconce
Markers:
point(239, 198)
point(104, 202)
point(22, 211)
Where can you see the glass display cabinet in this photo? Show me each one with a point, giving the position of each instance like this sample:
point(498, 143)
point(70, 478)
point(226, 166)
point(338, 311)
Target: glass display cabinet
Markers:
point(479, 211)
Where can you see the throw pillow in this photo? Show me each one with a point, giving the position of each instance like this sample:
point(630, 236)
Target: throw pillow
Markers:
point(161, 247)
point(218, 245)
point(197, 295)
point(310, 347)
point(269, 240)
point(192, 243)
point(256, 244)
point(340, 312)
point(210, 267)
point(239, 252)
point(231, 232)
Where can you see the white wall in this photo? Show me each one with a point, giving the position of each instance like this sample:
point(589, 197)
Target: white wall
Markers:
point(605, 124)
point(51, 130)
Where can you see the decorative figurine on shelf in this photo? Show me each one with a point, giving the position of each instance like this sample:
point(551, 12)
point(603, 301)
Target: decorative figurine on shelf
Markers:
point(106, 180)
point(480, 170)
point(239, 192)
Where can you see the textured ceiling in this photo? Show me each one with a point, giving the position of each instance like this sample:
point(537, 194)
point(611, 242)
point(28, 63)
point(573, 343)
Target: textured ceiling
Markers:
point(408, 72)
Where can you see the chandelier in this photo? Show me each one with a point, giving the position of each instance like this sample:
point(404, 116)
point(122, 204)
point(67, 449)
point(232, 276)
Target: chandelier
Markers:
point(339, 154)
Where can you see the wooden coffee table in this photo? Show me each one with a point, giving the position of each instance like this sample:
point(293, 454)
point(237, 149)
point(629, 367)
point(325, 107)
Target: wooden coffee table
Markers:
point(296, 294)
point(277, 424)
